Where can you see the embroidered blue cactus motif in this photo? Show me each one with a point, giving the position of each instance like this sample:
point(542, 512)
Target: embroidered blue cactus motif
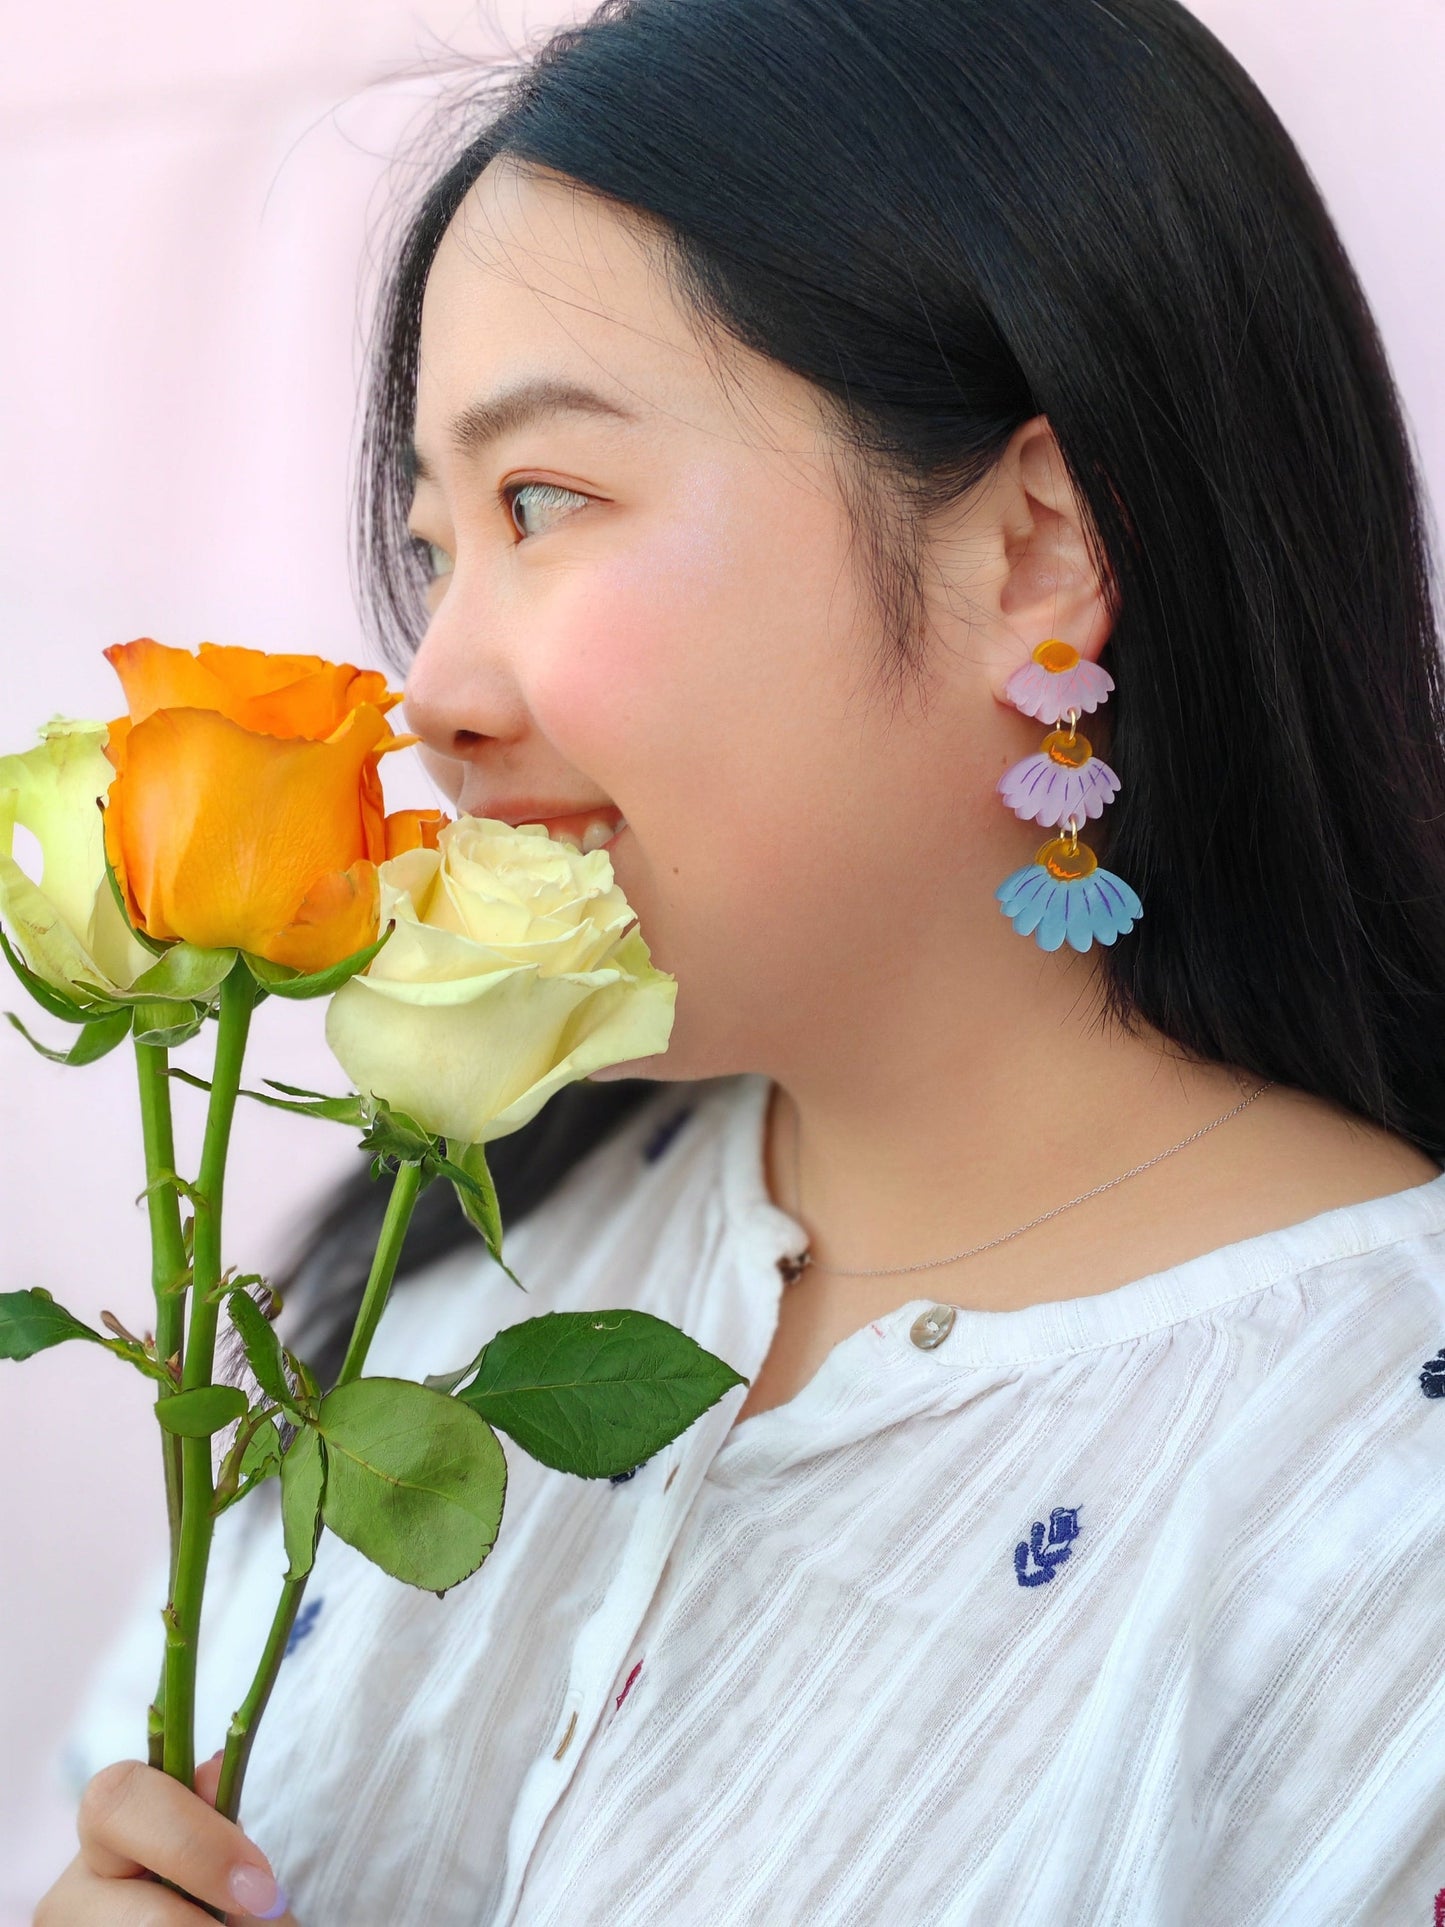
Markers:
point(665, 1133)
point(302, 1625)
point(1432, 1375)
point(1063, 1529)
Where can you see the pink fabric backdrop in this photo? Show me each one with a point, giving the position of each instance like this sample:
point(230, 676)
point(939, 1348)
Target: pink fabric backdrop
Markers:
point(185, 220)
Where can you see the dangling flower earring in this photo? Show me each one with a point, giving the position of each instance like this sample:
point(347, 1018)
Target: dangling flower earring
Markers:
point(1063, 893)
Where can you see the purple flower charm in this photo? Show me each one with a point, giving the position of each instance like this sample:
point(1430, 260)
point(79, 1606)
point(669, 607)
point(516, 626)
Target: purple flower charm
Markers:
point(1063, 894)
point(1062, 779)
point(1056, 679)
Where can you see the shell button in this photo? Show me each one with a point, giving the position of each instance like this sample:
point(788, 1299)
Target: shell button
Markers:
point(931, 1327)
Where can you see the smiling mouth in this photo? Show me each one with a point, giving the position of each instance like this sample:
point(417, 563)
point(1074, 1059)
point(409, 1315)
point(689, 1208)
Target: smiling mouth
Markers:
point(583, 830)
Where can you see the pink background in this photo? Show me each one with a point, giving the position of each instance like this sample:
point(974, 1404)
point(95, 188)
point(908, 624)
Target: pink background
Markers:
point(186, 206)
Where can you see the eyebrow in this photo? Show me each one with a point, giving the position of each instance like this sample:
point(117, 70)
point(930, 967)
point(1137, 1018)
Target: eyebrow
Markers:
point(483, 422)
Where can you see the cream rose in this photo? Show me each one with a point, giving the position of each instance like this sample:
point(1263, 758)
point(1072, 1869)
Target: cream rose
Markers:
point(515, 968)
point(67, 927)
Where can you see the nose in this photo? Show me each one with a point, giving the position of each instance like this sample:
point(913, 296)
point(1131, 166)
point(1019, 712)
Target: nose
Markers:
point(458, 696)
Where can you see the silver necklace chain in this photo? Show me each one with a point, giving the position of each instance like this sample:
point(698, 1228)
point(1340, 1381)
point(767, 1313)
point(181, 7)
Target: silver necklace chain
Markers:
point(796, 1266)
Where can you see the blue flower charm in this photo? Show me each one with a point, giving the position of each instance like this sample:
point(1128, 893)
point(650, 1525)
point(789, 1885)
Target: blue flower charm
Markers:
point(1044, 900)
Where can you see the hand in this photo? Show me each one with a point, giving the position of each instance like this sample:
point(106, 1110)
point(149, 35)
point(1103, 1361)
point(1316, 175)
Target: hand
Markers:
point(135, 1821)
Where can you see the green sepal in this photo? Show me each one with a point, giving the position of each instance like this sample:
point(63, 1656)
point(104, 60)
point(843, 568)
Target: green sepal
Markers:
point(415, 1481)
point(339, 1110)
point(100, 1036)
point(204, 1409)
point(55, 1002)
point(282, 981)
point(303, 1487)
point(31, 1321)
point(466, 1166)
point(185, 973)
point(167, 1021)
point(595, 1393)
point(393, 1137)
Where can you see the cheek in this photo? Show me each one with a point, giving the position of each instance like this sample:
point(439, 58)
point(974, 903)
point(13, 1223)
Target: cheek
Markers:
point(609, 665)
point(653, 683)
point(702, 660)
point(708, 681)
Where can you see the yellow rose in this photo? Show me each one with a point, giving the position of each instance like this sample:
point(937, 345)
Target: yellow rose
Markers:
point(515, 968)
point(67, 926)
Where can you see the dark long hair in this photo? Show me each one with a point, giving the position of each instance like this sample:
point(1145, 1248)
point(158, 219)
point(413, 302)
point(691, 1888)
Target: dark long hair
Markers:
point(953, 215)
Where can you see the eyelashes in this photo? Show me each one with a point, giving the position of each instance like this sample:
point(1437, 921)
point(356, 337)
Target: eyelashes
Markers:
point(436, 563)
point(550, 492)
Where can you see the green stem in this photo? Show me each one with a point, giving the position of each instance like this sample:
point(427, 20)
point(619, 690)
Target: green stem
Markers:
point(246, 1718)
point(404, 1193)
point(183, 1613)
point(168, 1262)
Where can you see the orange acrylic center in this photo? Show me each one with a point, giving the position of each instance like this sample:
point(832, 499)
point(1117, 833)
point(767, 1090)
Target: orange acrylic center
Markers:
point(1061, 860)
point(1056, 656)
point(1072, 753)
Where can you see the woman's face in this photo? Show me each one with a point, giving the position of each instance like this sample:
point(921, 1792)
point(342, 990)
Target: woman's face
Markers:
point(660, 608)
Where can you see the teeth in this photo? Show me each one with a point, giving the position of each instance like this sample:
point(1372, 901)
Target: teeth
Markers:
point(584, 831)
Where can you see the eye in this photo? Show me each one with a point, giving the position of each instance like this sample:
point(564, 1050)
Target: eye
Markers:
point(547, 493)
point(434, 560)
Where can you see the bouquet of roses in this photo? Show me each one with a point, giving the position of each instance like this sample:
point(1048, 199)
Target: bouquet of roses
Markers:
point(226, 841)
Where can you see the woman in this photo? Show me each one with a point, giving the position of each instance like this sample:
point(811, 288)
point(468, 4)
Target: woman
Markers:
point(782, 416)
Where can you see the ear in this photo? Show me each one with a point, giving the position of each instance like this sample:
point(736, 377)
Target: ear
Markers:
point(1048, 584)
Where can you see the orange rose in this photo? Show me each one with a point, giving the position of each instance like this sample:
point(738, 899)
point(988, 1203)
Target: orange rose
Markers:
point(246, 809)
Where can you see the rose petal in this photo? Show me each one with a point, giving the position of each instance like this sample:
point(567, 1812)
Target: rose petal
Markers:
point(224, 834)
point(275, 695)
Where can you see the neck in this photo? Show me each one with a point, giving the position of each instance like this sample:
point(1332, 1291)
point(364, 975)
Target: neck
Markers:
point(938, 1138)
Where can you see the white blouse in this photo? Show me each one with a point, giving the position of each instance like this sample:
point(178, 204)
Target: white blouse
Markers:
point(1122, 1609)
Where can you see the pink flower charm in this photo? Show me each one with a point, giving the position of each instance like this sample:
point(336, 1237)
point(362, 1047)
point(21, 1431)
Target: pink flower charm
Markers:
point(1056, 679)
point(1061, 779)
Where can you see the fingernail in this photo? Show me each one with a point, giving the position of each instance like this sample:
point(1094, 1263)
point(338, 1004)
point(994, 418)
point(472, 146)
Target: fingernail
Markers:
point(256, 1892)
